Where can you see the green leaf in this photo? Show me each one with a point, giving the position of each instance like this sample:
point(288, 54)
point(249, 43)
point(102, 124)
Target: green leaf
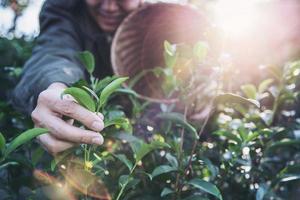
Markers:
point(178, 118)
point(118, 121)
point(206, 187)
point(200, 50)
point(166, 191)
point(141, 149)
point(229, 136)
point(261, 192)
point(87, 60)
point(233, 98)
point(37, 155)
point(212, 168)
point(263, 86)
point(124, 160)
point(2, 143)
point(290, 177)
point(170, 54)
point(24, 138)
point(109, 89)
point(123, 180)
point(82, 97)
point(249, 90)
point(127, 91)
point(162, 169)
point(169, 48)
point(172, 160)
point(103, 83)
point(285, 143)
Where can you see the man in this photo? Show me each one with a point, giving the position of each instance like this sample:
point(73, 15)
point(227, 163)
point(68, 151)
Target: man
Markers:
point(67, 27)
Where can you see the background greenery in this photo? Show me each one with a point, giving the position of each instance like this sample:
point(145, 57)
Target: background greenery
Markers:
point(248, 152)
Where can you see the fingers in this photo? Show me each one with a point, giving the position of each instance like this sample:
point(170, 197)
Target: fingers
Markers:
point(52, 144)
point(64, 131)
point(70, 108)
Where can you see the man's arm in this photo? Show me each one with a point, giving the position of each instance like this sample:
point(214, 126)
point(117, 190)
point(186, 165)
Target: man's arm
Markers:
point(54, 59)
point(52, 67)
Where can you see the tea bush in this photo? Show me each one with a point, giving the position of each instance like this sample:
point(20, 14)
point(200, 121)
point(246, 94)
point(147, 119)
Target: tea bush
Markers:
point(211, 143)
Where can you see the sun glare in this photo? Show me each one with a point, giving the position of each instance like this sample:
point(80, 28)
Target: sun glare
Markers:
point(236, 17)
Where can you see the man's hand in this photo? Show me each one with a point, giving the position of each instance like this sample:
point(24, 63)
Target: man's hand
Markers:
point(62, 134)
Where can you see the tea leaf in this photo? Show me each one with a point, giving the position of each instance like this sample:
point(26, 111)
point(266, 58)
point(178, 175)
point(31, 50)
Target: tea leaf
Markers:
point(263, 86)
point(118, 121)
point(87, 60)
point(249, 90)
point(24, 138)
point(162, 169)
point(103, 83)
point(2, 143)
point(166, 191)
point(178, 118)
point(82, 97)
point(124, 160)
point(283, 144)
point(200, 50)
point(206, 187)
point(261, 192)
point(169, 48)
point(233, 98)
point(109, 89)
point(172, 160)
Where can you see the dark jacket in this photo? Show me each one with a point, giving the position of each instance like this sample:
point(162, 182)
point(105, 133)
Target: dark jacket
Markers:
point(65, 29)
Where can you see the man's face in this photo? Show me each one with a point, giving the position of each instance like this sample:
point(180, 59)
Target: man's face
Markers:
point(110, 13)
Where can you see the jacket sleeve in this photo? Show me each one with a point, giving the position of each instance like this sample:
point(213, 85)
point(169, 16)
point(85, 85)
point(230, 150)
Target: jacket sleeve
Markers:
point(54, 58)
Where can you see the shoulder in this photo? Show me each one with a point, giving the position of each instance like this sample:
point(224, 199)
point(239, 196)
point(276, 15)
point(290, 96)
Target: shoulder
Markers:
point(65, 4)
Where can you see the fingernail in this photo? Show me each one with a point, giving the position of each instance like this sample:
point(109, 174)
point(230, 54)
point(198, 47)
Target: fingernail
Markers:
point(100, 115)
point(97, 140)
point(97, 125)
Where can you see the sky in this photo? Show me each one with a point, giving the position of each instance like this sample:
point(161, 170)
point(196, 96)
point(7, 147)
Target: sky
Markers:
point(28, 24)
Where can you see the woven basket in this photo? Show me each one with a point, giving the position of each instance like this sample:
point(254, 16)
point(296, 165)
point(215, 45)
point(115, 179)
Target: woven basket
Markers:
point(138, 43)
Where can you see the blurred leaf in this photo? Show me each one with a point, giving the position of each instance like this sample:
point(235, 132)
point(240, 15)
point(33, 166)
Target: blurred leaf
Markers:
point(127, 91)
point(109, 89)
point(290, 177)
point(212, 168)
point(37, 155)
point(229, 136)
point(162, 169)
point(200, 50)
point(249, 90)
point(24, 138)
point(87, 60)
point(172, 160)
point(233, 98)
point(178, 118)
point(169, 48)
point(261, 192)
point(117, 121)
point(82, 97)
point(166, 191)
point(263, 86)
point(206, 187)
point(286, 143)
point(124, 160)
point(2, 143)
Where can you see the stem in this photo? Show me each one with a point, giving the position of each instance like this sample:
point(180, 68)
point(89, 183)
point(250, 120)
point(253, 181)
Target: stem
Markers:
point(178, 189)
point(127, 181)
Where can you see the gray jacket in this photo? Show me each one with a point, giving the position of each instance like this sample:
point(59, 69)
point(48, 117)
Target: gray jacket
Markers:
point(65, 29)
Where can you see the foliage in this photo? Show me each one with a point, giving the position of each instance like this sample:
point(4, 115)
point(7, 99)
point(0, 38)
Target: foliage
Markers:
point(245, 147)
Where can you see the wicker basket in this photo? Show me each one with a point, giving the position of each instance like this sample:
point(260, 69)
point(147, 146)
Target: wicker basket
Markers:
point(138, 42)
